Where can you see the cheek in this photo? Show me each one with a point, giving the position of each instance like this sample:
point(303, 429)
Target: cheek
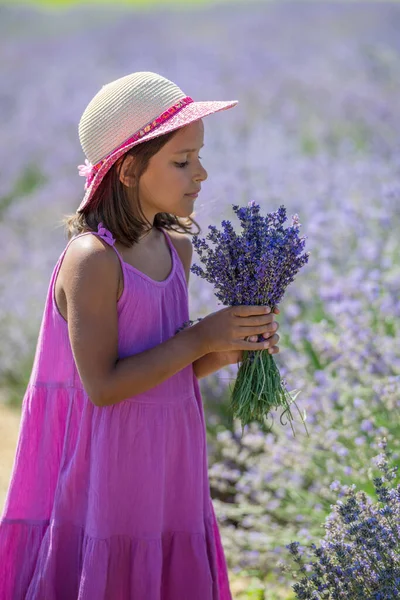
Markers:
point(165, 183)
point(177, 179)
point(155, 183)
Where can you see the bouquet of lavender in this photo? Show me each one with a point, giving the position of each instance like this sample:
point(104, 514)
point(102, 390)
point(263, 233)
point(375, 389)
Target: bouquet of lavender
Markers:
point(254, 268)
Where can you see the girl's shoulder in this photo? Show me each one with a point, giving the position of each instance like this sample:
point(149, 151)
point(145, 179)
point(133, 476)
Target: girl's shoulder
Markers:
point(86, 251)
point(89, 267)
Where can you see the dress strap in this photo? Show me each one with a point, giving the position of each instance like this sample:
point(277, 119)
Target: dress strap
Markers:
point(107, 236)
point(177, 260)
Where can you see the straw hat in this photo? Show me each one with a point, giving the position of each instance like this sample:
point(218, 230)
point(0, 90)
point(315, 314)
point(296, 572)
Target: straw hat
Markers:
point(128, 111)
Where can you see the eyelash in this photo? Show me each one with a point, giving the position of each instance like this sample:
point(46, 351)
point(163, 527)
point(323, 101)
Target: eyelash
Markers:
point(182, 165)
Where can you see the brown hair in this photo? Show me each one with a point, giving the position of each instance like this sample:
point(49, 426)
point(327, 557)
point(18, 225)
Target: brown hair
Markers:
point(112, 202)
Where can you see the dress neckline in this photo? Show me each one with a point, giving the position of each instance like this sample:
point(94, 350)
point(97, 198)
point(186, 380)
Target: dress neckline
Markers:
point(147, 277)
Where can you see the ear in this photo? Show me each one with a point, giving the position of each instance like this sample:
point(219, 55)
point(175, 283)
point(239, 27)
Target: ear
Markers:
point(124, 176)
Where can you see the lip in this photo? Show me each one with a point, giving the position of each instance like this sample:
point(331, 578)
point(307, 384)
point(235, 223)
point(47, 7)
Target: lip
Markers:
point(192, 195)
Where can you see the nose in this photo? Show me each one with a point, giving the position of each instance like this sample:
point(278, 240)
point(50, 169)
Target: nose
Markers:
point(202, 174)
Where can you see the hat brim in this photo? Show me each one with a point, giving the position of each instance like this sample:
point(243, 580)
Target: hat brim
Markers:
point(191, 112)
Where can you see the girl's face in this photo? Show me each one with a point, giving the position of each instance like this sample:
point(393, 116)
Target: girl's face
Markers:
point(172, 173)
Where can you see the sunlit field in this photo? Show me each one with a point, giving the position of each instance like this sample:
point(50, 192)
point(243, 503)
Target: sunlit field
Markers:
point(316, 129)
point(125, 4)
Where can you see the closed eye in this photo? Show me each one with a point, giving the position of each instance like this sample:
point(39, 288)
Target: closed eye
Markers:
point(184, 164)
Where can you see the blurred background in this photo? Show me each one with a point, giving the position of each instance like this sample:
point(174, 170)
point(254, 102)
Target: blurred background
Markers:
point(316, 129)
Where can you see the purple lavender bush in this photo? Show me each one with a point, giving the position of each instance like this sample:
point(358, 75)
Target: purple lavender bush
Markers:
point(359, 557)
point(254, 268)
point(316, 129)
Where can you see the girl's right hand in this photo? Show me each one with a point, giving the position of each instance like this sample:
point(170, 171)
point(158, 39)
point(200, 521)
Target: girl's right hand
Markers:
point(225, 330)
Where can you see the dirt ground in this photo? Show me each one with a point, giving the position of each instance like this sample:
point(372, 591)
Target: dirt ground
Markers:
point(9, 427)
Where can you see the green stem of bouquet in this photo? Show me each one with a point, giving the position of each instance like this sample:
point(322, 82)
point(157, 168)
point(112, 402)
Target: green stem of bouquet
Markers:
point(259, 389)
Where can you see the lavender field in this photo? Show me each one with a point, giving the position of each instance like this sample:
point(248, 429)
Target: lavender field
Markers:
point(317, 129)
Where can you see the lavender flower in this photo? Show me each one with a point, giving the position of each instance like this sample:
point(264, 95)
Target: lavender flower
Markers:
point(257, 266)
point(359, 557)
point(187, 324)
point(254, 268)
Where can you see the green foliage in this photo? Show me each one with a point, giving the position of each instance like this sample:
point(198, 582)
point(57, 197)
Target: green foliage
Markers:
point(14, 387)
point(30, 180)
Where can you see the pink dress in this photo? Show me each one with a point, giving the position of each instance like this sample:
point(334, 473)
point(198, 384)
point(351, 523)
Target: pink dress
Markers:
point(114, 502)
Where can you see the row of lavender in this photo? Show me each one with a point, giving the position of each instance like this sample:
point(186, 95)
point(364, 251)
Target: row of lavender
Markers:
point(316, 129)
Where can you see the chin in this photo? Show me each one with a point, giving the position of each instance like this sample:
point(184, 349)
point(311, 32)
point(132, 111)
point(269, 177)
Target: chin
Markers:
point(184, 214)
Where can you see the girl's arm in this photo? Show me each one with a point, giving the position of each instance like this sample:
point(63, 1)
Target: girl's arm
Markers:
point(89, 278)
point(209, 363)
point(213, 361)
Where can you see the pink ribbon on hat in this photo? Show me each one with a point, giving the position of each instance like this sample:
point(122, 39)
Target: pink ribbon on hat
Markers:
point(87, 170)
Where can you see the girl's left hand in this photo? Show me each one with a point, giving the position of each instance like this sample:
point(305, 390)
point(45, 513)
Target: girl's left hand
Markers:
point(232, 358)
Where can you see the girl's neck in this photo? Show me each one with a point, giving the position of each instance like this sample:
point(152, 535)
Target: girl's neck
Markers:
point(150, 236)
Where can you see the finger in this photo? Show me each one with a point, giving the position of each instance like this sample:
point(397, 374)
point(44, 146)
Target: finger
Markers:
point(273, 350)
point(273, 340)
point(276, 310)
point(247, 311)
point(251, 338)
point(272, 329)
point(247, 345)
point(252, 325)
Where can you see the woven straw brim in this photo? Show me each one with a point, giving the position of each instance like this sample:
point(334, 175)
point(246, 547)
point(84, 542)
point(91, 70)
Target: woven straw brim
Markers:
point(190, 113)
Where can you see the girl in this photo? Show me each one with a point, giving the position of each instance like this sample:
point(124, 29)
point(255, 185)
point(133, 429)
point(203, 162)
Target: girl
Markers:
point(109, 494)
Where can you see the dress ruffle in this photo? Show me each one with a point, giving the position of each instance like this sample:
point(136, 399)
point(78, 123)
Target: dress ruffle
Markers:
point(56, 548)
point(65, 563)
